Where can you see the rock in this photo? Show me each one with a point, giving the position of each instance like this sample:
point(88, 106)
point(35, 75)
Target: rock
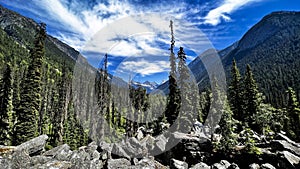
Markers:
point(20, 159)
point(118, 151)
point(200, 165)
point(160, 144)
point(288, 160)
point(222, 165)
point(281, 136)
point(282, 145)
point(91, 149)
point(254, 166)
point(39, 160)
point(150, 163)
point(148, 142)
point(34, 145)
point(267, 166)
point(54, 164)
point(105, 150)
point(94, 164)
point(134, 148)
point(60, 153)
point(4, 150)
point(233, 166)
point(176, 164)
point(118, 163)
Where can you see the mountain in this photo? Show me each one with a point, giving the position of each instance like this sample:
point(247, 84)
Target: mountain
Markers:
point(23, 30)
point(271, 47)
point(149, 86)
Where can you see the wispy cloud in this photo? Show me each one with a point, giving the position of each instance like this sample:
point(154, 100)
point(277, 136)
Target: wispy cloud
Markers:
point(215, 16)
point(130, 28)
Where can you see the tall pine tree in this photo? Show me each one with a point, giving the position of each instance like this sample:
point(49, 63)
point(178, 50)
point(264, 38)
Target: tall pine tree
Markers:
point(189, 94)
point(293, 111)
point(251, 98)
point(6, 107)
point(28, 109)
point(236, 93)
point(173, 105)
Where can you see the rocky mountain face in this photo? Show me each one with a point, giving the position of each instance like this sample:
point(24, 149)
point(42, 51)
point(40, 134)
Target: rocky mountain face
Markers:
point(149, 86)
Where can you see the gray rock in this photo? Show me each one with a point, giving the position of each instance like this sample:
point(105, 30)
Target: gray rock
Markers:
point(160, 144)
point(148, 163)
point(233, 166)
point(119, 151)
point(288, 160)
point(200, 165)
point(34, 145)
point(118, 163)
point(176, 164)
point(20, 159)
point(223, 164)
point(267, 166)
point(254, 166)
point(39, 160)
point(54, 164)
point(60, 153)
point(282, 145)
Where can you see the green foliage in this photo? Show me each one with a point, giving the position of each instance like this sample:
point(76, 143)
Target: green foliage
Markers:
point(6, 107)
point(250, 146)
point(186, 114)
point(227, 126)
point(293, 111)
point(28, 109)
point(235, 91)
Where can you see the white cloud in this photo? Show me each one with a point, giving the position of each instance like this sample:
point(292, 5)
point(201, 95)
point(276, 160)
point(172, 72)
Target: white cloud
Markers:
point(142, 67)
point(215, 16)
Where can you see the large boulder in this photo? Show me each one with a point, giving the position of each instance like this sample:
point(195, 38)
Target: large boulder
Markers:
point(267, 166)
point(176, 164)
point(189, 146)
point(200, 165)
point(283, 145)
point(288, 160)
point(223, 164)
point(33, 146)
point(149, 163)
point(61, 152)
point(118, 163)
point(254, 166)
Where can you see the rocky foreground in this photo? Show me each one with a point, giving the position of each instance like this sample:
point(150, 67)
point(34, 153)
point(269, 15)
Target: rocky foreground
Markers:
point(191, 152)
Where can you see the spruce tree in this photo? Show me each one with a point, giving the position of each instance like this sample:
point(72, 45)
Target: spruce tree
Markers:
point(6, 107)
point(28, 109)
point(251, 98)
point(186, 113)
point(235, 93)
point(293, 110)
point(227, 126)
point(173, 105)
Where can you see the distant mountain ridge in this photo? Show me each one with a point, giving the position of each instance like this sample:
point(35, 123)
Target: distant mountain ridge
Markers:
point(149, 86)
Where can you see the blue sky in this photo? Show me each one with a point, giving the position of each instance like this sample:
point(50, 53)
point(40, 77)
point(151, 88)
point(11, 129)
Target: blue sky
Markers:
point(135, 33)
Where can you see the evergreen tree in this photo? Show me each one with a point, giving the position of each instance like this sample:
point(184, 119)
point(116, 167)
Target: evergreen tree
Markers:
point(173, 105)
point(252, 99)
point(28, 109)
point(236, 93)
point(186, 114)
point(227, 126)
point(6, 107)
point(293, 110)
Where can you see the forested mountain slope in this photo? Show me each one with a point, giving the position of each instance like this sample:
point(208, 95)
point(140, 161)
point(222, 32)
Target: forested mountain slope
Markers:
point(272, 48)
